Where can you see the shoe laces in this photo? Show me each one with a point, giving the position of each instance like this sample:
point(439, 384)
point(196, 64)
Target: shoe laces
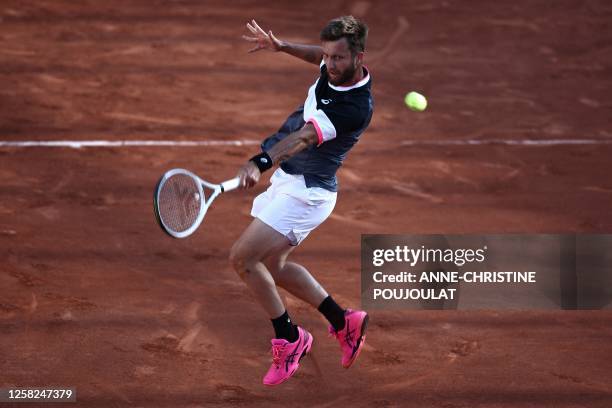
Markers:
point(277, 351)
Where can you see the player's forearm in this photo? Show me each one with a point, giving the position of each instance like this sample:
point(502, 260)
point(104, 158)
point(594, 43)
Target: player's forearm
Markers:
point(308, 53)
point(292, 144)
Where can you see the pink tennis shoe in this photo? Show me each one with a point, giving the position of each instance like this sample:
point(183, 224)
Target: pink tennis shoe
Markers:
point(352, 336)
point(286, 357)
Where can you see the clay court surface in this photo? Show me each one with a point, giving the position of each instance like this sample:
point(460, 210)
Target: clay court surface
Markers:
point(94, 296)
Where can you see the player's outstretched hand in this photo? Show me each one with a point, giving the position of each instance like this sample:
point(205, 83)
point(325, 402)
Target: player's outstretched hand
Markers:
point(249, 175)
point(262, 40)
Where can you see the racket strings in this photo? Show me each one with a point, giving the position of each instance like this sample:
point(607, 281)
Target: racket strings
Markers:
point(179, 202)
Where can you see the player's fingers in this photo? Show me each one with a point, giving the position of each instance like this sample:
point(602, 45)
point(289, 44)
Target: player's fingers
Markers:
point(275, 40)
point(251, 39)
point(255, 49)
point(244, 182)
point(258, 27)
point(251, 28)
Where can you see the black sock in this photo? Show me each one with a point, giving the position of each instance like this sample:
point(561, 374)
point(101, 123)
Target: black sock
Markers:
point(284, 329)
point(332, 312)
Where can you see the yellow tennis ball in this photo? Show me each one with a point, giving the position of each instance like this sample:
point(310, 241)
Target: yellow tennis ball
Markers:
point(415, 101)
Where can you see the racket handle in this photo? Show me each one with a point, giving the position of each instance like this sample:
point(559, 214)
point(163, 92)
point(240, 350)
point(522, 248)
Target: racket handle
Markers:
point(230, 185)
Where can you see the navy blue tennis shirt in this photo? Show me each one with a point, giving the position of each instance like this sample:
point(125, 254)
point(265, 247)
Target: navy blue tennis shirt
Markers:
point(340, 115)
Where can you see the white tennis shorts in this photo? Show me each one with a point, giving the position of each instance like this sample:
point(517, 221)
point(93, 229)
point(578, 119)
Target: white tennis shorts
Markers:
point(291, 208)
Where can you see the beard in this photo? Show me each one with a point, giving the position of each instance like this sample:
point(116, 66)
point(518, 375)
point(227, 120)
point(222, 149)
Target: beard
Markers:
point(344, 76)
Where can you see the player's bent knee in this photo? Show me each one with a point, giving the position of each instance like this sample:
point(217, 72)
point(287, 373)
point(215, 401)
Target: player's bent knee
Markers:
point(237, 259)
point(241, 260)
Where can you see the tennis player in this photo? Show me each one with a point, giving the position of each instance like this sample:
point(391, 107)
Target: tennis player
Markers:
point(309, 147)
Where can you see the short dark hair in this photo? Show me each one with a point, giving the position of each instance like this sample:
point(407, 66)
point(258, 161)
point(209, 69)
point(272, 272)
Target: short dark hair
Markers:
point(354, 30)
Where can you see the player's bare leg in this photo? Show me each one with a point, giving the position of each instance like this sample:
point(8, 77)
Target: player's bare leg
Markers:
point(295, 278)
point(291, 342)
point(256, 243)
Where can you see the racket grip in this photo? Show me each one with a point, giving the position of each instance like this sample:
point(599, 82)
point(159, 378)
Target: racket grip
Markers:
point(230, 185)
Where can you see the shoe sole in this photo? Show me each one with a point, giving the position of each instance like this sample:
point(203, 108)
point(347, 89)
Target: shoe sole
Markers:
point(360, 341)
point(306, 351)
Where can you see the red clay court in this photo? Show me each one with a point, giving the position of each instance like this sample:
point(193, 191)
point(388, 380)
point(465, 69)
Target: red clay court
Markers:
point(517, 138)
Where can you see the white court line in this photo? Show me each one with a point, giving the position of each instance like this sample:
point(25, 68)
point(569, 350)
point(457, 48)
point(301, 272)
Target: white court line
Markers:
point(510, 142)
point(77, 144)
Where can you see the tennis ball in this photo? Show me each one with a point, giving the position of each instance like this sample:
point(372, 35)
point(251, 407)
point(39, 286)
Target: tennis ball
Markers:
point(415, 101)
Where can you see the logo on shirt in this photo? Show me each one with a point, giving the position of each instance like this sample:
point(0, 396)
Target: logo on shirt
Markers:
point(326, 101)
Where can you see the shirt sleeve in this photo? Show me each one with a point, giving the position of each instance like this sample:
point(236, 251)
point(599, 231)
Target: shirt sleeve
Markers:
point(336, 119)
point(323, 125)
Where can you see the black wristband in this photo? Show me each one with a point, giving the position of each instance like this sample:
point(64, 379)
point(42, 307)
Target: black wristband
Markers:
point(263, 161)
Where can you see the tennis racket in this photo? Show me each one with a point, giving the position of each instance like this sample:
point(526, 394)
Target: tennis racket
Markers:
point(180, 202)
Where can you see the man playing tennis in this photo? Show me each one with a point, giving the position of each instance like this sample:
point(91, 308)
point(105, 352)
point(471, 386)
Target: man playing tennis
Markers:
point(310, 147)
